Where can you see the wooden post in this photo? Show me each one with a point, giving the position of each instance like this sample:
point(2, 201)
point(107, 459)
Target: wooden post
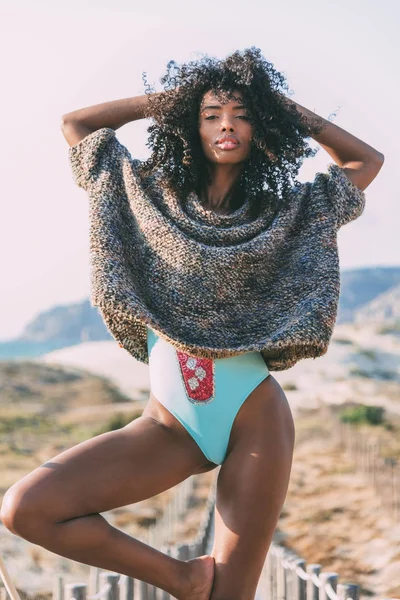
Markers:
point(313, 570)
point(326, 579)
point(269, 576)
point(209, 541)
point(151, 592)
point(129, 589)
point(291, 575)
point(192, 551)
point(280, 576)
point(198, 547)
point(183, 552)
point(162, 595)
point(75, 591)
point(94, 580)
point(58, 590)
point(112, 580)
point(142, 588)
point(299, 587)
point(274, 575)
point(348, 590)
point(202, 537)
point(288, 576)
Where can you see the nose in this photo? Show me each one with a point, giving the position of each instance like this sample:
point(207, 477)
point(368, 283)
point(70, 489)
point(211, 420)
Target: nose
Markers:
point(226, 123)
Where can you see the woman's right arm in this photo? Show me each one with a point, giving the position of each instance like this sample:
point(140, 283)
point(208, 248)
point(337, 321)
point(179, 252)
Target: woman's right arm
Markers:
point(78, 124)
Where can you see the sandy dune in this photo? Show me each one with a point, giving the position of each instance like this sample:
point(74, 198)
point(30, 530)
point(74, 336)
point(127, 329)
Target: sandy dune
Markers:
point(106, 359)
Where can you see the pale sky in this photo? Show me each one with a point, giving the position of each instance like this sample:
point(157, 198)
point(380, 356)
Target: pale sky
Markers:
point(61, 56)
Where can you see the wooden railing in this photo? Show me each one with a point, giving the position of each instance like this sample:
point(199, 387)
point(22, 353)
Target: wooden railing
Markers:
point(285, 576)
point(106, 585)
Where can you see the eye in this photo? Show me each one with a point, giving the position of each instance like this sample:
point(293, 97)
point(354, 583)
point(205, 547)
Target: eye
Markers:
point(238, 117)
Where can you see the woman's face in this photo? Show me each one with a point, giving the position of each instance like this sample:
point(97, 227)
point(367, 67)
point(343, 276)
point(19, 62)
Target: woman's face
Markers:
point(229, 120)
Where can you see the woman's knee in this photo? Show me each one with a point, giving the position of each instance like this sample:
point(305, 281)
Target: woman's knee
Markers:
point(17, 511)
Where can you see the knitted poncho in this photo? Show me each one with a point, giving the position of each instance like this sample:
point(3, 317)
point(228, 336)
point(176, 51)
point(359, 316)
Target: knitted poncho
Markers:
point(212, 285)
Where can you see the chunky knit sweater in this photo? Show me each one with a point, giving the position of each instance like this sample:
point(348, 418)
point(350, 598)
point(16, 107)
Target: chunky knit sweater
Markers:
point(264, 277)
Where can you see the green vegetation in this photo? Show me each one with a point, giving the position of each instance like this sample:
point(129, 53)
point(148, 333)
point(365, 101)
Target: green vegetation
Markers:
point(372, 415)
point(343, 341)
point(368, 353)
point(289, 386)
point(117, 421)
point(56, 388)
point(373, 373)
point(36, 423)
point(394, 328)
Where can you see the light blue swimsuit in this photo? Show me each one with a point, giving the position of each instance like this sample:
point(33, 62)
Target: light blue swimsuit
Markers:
point(208, 422)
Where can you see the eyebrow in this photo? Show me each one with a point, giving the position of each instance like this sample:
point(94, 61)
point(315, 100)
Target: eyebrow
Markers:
point(240, 107)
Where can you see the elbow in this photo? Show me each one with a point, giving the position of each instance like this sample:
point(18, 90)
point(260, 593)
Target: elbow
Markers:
point(68, 130)
point(374, 163)
point(65, 120)
point(378, 162)
point(73, 131)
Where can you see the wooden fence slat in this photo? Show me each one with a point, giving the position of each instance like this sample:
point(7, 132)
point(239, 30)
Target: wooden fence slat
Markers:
point(142, 588)
point(280, 577)
point(269, 576)
point(94, 580)
point(273, 574)
point(58, 588)
point(75, 591)
point(183, 552)
point(327, 578)
point(112, 579)
point(129, 589)
point(300, 585)
point(348, 590)
point(312, 589)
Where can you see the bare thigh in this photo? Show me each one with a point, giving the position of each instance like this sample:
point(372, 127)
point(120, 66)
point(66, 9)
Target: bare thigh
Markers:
point(251, 488)
point(108, 471)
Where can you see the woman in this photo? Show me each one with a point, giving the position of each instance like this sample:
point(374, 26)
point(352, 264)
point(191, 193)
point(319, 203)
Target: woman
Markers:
point(210, 266)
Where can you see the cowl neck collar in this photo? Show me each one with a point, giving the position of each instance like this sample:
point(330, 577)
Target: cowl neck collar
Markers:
point(195, 209)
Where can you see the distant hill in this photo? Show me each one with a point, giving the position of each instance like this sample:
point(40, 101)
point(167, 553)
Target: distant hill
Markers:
point(360, 286)
point(383, 310)
point(60, 327)
point(71, 324)
point(54, 388)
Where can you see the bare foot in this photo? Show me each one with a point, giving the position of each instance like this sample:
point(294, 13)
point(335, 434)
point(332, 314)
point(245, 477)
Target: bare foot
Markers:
point(201, 577)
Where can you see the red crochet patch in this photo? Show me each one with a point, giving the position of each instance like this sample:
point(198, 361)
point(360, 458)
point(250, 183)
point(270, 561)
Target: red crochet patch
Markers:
point(198, 376)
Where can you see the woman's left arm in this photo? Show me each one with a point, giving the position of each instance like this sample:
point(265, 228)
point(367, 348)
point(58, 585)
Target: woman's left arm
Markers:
point(360, 161)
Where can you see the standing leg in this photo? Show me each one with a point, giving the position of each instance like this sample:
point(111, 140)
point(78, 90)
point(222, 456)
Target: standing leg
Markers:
point(251, 488)
point(57, 505)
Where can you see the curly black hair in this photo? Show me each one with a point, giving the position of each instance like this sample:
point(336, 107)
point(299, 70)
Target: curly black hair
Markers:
point(278, 145)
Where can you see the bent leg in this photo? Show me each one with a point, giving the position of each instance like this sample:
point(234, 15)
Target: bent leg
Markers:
point(57, 505)
point(251, 488)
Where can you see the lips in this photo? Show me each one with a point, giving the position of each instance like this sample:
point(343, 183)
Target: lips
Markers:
point(227, 142)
